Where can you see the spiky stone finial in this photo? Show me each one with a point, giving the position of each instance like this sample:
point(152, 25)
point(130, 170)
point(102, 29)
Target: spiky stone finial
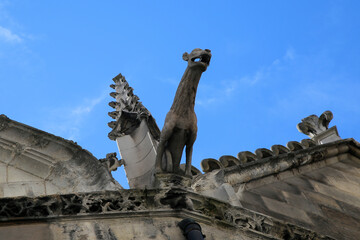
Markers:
point(129, 111)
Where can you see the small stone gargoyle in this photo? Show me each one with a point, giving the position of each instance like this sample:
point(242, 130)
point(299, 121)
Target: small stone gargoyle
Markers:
point(180, 127)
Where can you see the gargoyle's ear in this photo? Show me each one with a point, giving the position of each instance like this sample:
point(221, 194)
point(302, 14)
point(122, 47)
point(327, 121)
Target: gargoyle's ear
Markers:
point(186, 56)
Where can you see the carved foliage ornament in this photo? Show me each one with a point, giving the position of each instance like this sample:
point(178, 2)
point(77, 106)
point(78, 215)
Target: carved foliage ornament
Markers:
point(314, 125)
point(39, 141)
point(131, 201)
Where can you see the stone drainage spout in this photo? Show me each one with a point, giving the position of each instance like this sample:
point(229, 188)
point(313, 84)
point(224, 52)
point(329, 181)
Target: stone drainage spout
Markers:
point(191, 229)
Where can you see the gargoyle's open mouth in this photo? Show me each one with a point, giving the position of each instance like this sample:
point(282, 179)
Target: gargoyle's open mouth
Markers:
point(205, 58)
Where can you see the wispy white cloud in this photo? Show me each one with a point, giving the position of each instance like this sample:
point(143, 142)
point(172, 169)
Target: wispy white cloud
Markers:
point(265, 72)
point(219, 93)
point(256, 77)
point(290, 54)
point(86, 108)
point(205, 101)
point(67, 122)
point(8, 36)
point(209, 95)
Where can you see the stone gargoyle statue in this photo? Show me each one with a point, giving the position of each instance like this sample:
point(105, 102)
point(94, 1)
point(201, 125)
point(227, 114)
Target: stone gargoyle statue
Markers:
point(180, 127)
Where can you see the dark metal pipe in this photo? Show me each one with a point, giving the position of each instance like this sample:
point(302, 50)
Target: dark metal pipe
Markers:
point(191, 229)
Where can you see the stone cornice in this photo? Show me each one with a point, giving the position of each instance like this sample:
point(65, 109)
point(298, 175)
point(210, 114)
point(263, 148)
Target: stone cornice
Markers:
point(274, 164)
point(165, 202)
point(284, 162)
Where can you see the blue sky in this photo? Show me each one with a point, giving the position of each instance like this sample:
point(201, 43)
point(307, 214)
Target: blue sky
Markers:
point(274, 63)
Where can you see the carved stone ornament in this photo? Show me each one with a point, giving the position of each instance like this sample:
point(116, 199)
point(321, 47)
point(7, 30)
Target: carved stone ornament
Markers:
point(210, 164)
point(39, 141)
point(18, 149)
point(314, 125)
point(111, 162)
point(317, 128)
point(129, 111)
point(148, 201)
point(180, 127)
point(4, 122)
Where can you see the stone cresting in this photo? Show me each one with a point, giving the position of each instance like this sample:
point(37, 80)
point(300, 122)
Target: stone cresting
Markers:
point(174, 200)
point(128, 111)
point(247, 158)
point(248, 172)
point(180, 127)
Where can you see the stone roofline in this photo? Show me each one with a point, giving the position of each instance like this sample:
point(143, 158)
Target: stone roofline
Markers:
point(42, 137)
point(276, 164)
point(249, 172)
point(171, 202)
point(34, 163)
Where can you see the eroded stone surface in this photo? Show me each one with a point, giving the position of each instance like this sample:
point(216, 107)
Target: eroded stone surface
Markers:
point(317, 187)
point(317, 128)
point(141, 214)
point(34, 163)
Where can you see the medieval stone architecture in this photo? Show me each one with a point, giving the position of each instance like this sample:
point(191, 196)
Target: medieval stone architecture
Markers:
point(52, 189)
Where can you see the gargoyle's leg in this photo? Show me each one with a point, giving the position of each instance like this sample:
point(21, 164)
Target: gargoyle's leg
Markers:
point(189, 150)
point(164, 137)
point(159, 154)
point(176, 146)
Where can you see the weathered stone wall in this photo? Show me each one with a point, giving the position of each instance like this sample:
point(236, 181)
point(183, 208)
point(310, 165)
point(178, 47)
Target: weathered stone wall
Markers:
point(115, 228)
point(323, 196)
point(317, 188)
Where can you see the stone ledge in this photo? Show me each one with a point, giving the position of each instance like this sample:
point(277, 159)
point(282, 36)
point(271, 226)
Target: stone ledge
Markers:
point(129, 203)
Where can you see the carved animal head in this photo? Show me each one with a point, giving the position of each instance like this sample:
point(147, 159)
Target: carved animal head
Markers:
point(198, 58)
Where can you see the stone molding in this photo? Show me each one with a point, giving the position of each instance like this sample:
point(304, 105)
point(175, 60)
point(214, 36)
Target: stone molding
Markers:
point(164, 202)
